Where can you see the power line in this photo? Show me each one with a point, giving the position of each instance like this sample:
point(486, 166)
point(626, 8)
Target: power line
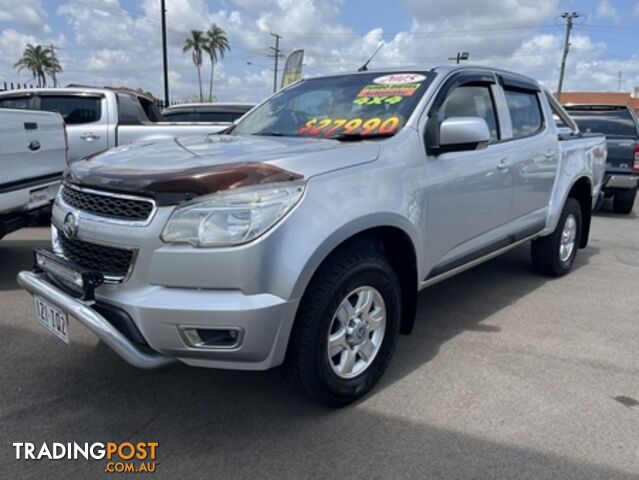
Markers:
point(570, 18)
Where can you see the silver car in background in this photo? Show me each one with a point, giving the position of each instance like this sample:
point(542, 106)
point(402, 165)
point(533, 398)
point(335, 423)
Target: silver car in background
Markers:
point(302, 236)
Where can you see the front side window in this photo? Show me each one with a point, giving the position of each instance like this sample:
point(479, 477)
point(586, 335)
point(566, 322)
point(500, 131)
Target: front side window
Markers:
point(74, 109)
point(345, 106)
point(471, 101)
point(525, 113)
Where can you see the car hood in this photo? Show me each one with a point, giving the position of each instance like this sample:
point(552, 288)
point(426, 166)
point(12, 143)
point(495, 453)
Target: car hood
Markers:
point(178, 169)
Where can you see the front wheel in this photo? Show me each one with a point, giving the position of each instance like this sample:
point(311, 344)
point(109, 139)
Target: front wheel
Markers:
point(554, 254)
point(346, 328)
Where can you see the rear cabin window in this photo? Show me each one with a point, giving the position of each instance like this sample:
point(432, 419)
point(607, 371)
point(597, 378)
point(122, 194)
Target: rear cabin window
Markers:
point(525, 113)
point(74, 109)
point(15, 102)
point(611, 123)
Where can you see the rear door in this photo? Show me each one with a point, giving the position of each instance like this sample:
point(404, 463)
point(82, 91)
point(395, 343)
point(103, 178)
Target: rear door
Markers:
point(535, 147)
point(86, 119)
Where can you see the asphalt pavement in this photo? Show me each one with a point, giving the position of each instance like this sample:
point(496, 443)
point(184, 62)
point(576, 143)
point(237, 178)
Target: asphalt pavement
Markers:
point(508, 375)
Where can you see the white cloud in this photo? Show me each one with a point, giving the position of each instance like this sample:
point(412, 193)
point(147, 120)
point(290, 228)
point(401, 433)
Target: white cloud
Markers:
point(115, 44)
point(606, 11)
point(27, 14)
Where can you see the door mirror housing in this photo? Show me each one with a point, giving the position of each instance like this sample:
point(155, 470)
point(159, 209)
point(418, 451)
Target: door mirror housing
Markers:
point(458, 134)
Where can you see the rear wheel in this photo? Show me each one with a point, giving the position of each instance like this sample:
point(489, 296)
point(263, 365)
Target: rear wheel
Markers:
point(346, 328)
point(624, 201)
point(554, 254)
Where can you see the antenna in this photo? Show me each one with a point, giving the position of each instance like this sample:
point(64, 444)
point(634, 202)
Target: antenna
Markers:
point(364, 68)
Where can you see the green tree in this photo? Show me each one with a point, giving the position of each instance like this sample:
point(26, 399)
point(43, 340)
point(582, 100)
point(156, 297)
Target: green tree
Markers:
point(196, 44)
point(40, 61)
point(217, 43)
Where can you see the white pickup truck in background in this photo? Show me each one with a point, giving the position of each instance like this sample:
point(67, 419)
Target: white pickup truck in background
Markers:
point(32, 159)
point(101, 118)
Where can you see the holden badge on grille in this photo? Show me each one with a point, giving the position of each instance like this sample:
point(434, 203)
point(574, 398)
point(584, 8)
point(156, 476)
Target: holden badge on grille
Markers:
point(70, 225)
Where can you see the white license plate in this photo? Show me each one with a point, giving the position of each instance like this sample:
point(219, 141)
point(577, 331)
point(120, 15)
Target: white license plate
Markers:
point(39, 197)
point(56, 321)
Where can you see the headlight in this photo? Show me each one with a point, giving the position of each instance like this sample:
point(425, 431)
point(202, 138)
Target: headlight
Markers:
point(232, 217)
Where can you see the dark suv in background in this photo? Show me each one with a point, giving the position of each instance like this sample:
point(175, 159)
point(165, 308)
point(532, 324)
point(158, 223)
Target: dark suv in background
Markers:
point(619, 125)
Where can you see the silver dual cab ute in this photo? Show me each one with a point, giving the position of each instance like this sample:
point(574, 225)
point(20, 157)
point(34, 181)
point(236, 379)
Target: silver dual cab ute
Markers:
point(301, 236)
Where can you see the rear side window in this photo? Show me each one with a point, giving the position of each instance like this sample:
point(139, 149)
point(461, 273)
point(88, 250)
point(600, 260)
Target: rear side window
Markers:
point(218, 116)
point(615, 123)
point(74, 109)
point(130, 110)
point(525, 113)
point(15, 102)
point(471, 101)
point(180, 117)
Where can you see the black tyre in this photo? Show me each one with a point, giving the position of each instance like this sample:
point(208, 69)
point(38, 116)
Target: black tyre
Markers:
point(554, 254)
point(346, 327)
point(624, 201)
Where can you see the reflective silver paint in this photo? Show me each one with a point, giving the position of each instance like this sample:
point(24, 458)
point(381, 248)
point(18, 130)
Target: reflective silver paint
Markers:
point(448, 206)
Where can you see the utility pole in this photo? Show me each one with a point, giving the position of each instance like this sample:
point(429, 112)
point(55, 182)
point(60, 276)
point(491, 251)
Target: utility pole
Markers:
point(277, 54)
point(620, 82)
point(165, 63)
point(569, 17)
point(53, 72)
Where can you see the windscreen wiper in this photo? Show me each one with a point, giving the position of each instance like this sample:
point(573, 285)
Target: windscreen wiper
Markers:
point(354, 137)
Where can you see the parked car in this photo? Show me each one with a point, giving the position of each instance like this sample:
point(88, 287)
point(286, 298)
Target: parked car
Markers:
point(101, 118)
point(619, 125)
point(218, 112)
point(32, 159)
point(302, 236)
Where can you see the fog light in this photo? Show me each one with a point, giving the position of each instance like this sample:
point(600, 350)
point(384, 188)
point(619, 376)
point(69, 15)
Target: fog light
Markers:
point(212, 337)
point(59, 270)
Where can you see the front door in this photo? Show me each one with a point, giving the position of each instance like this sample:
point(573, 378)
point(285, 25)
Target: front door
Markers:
point(470, 192)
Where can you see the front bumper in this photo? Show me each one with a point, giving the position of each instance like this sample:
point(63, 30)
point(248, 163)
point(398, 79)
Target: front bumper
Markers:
point(161, 315)
point(36, 284)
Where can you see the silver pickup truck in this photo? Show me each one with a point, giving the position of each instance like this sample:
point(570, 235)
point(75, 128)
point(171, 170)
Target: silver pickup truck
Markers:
point(32, 159)
point(101, 118)
point(302, 236)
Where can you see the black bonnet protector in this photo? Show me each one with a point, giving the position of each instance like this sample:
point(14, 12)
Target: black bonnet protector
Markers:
point(174, 187)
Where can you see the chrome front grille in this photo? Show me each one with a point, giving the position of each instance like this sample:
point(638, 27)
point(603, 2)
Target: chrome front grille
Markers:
point(114, 263)
point(113, 206)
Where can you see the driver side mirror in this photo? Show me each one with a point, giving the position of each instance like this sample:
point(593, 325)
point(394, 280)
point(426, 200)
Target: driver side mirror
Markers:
point(457, 134)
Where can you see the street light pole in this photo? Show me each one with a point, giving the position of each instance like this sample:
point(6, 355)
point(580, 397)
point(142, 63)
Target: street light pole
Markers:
point(460, 56)
point(165, 64)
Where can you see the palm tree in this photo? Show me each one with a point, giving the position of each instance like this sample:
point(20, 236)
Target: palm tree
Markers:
point(217, 44)
point(40, 61)
point(196, 42)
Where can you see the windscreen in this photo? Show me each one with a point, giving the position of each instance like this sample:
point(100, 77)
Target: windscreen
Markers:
point(361, 105)
point(611, 123)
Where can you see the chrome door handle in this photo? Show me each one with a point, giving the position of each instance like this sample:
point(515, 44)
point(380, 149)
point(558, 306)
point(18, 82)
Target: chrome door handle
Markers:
point(89, 136)
point(550, 154)
point(504, 164)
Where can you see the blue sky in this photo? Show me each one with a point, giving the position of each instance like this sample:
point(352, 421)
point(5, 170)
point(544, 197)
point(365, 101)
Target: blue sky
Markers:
point(118, 42)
